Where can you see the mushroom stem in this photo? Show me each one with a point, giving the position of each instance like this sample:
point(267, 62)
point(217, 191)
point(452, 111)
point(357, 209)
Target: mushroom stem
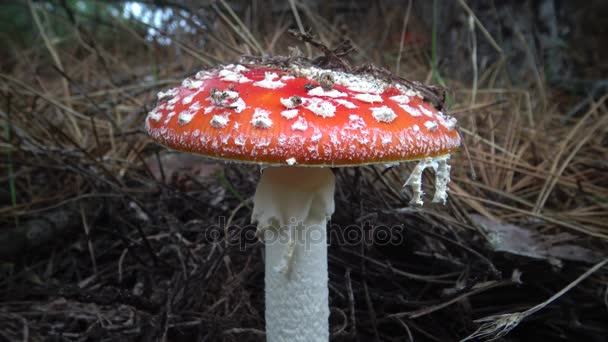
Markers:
point(291, 207)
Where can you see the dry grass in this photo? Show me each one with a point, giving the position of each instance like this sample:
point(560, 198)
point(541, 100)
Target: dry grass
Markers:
point(101, 241)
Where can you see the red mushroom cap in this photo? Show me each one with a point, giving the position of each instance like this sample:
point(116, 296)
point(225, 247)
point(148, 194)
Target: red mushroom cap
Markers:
point(301, 115)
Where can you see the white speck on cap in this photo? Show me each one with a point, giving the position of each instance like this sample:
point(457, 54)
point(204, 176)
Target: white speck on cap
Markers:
point(219, 121)
point(188, 98)
point(291, 102)
point(232, 76)
point(371, 98)
point(411, 110)
point(300, 125)
point(448, 122)
point(291, 161)
point(268, 82)
point(346, 103)
point(222, 97)
point(154, 115)
point(383, 114)
point(411, 93)
point(425, 111)
point(231, 94)
point(240, 140)
point(195, 106)
point(316, 136)
point(402, 99)
point(334, 139)
point(262, 142)
point(355, 122)
point(387, 139)
point(169, 116)
point(282, 139)
point(185, 117)
point(261, 118)
point(321, 108)
point(171, 92)
point(239, 105)
point(289, 114)
point(203, 75)
point(319, 91)
point(240, 68)
point(360, 84)
point(192, 84)
point(430, 125)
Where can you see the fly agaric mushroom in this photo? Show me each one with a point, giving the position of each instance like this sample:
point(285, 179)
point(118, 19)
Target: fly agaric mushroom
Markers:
point(299, 120)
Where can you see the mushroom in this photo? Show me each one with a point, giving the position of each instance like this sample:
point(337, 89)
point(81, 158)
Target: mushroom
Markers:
point(281, 117)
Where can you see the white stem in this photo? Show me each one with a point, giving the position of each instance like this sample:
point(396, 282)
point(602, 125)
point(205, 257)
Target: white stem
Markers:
point(292, 206)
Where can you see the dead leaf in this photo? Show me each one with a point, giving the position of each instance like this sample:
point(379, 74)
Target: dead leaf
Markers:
point(509, 238)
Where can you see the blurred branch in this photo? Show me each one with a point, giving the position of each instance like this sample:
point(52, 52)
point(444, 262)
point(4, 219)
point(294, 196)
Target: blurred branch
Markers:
point(58, 64)
point(157, 3)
